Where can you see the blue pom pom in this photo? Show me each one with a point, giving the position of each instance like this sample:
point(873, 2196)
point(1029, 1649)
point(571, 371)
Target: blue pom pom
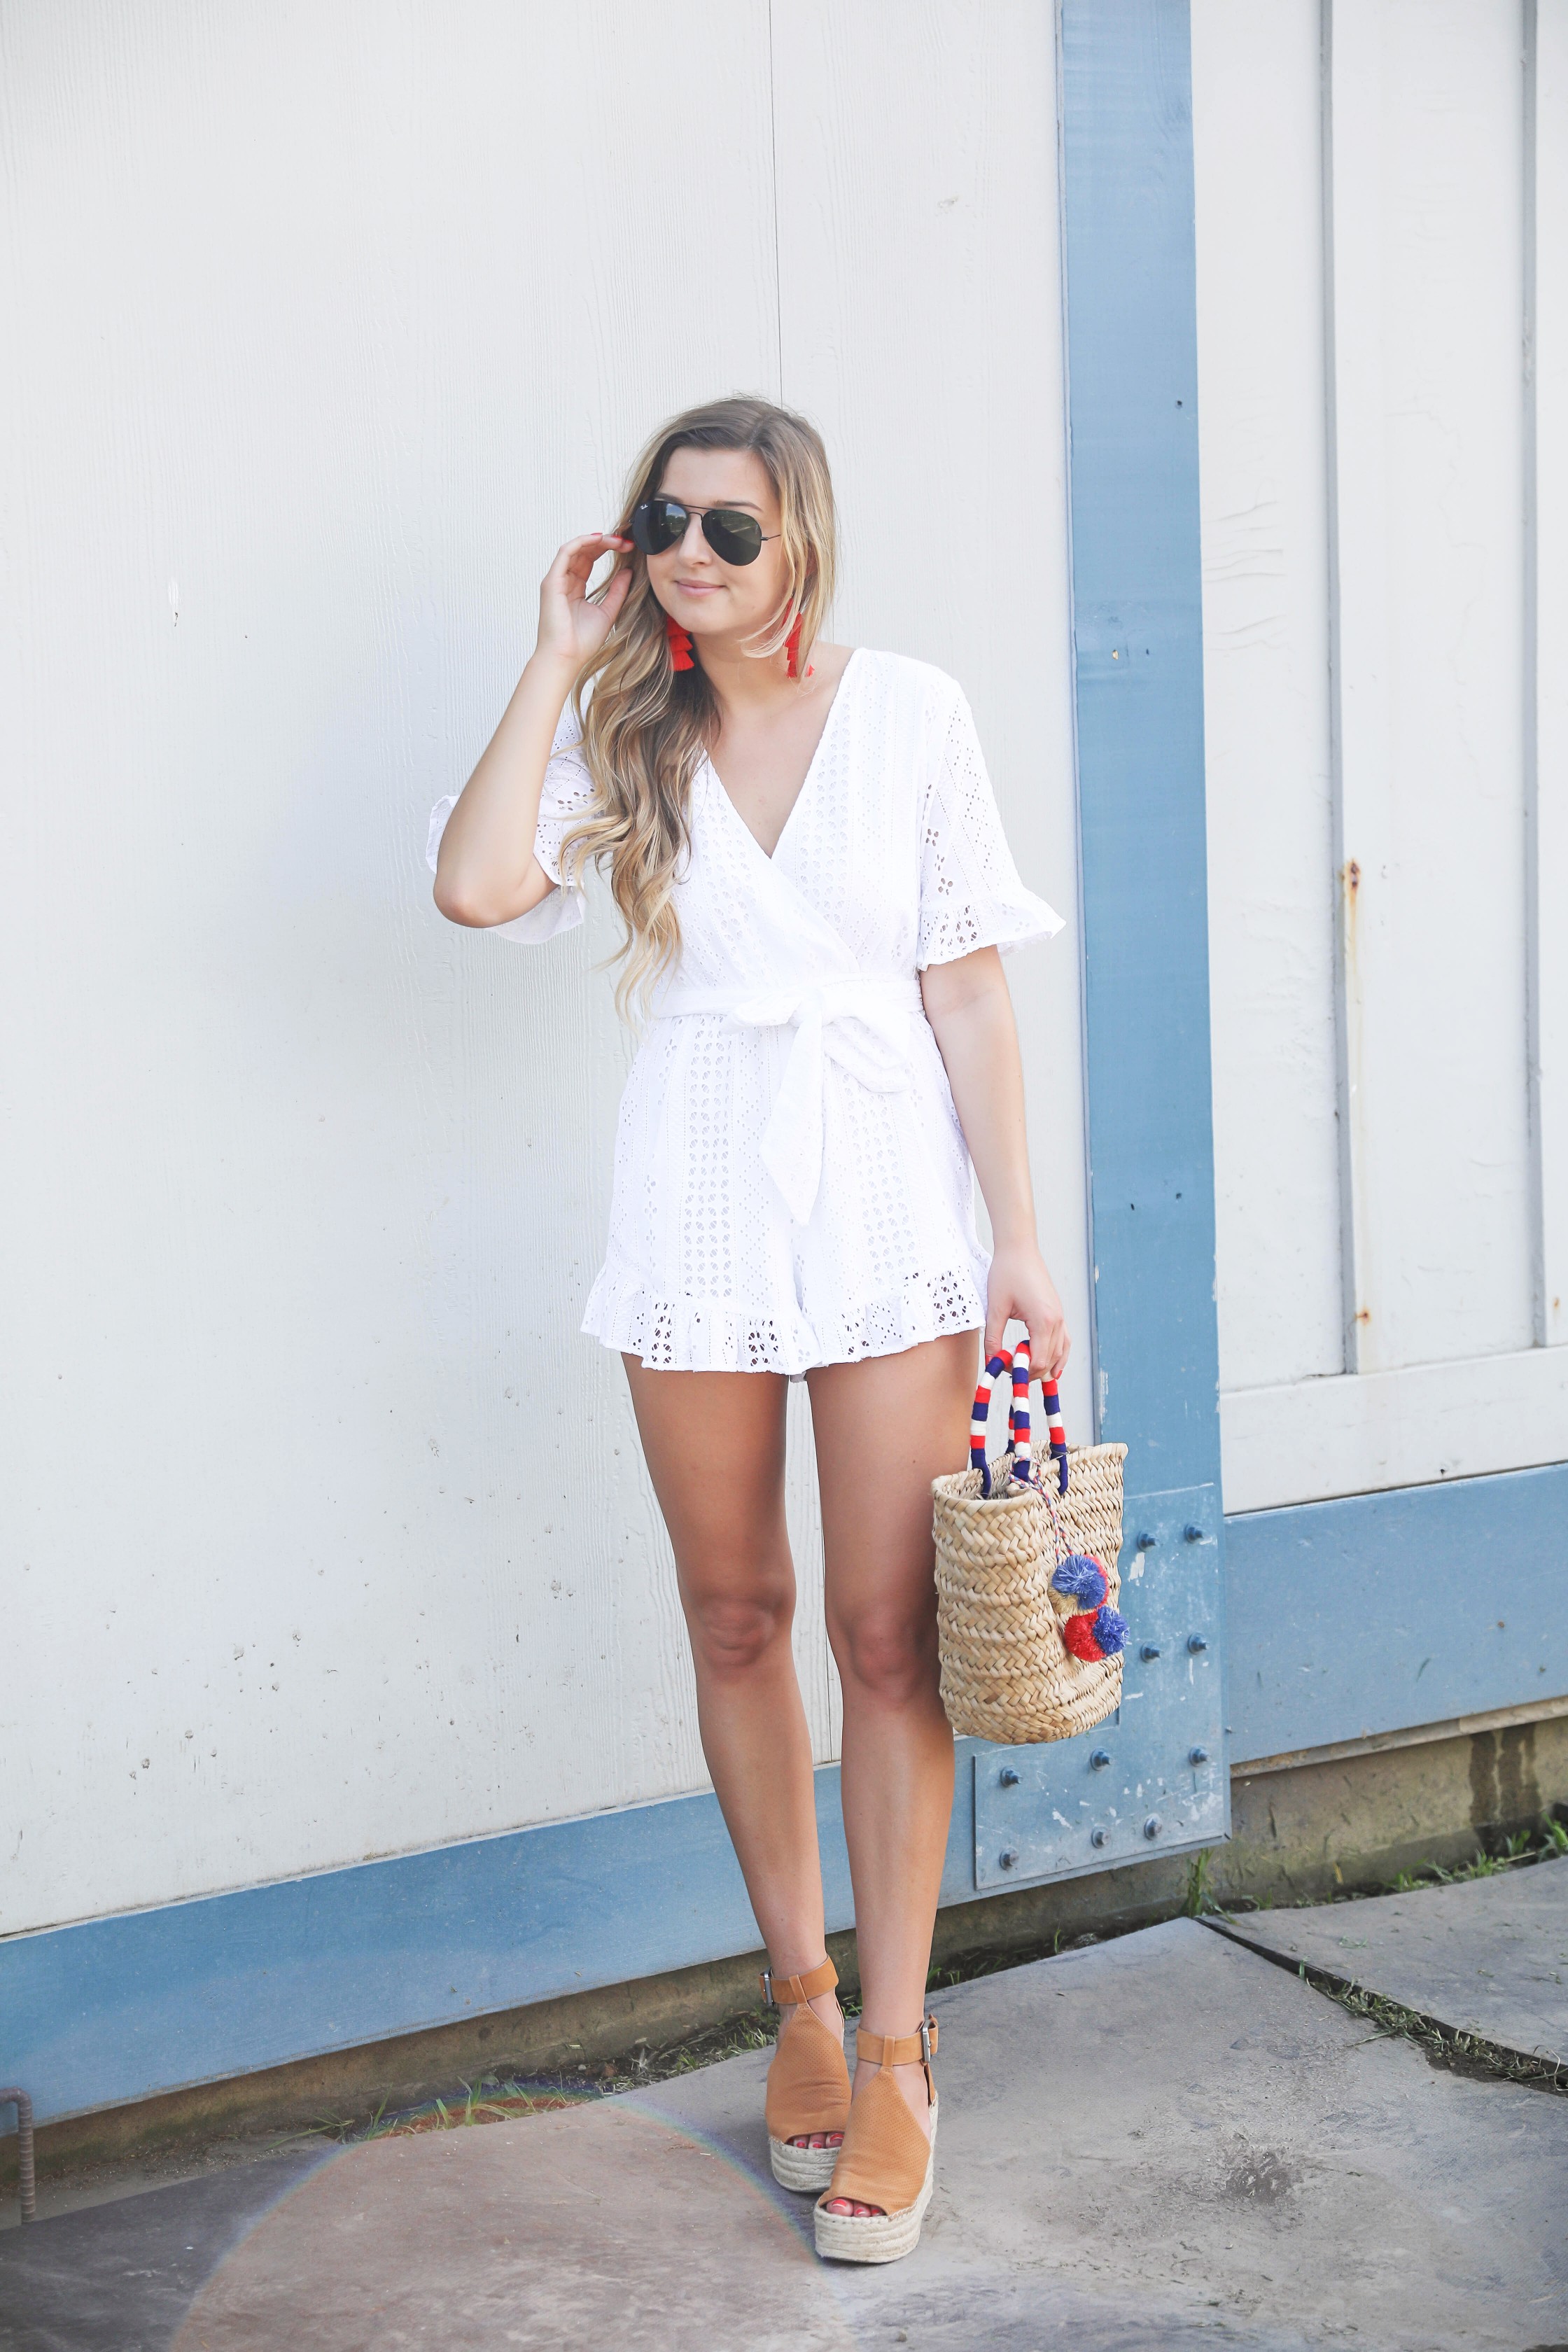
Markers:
point(1110, 1629)
point(1083, 1578)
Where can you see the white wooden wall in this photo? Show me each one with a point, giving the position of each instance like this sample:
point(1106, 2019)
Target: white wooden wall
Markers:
point(324, 327)
point(1383, 235)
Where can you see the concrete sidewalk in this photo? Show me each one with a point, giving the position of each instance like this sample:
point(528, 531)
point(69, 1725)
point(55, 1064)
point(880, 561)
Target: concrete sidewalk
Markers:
point(1165, 2140)
point(1486, 1957)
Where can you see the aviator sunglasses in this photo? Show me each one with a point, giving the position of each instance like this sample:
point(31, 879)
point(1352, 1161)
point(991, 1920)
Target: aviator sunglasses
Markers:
point(735, 536)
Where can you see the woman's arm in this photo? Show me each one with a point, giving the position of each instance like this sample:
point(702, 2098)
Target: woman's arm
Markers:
point(971, 1011)
point(485, 871)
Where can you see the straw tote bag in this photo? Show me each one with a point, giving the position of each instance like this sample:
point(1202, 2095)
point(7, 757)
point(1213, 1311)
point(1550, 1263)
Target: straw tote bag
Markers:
point(1026, 1585)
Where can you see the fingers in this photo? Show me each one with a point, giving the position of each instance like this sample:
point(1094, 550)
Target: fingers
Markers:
point(616, 594)
point(1049, 1346)
point(1057, 1348)
point(575, 561)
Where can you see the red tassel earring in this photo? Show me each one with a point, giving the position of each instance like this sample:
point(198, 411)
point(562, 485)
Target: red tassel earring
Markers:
point(792, 648)
point(680, 654)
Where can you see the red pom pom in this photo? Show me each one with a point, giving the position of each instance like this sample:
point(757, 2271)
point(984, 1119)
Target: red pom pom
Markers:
point(1078, 1634)
point(679, 643)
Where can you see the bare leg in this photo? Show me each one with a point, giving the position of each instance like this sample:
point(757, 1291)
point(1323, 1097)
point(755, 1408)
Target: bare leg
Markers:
point(715, 1448)
point(885, 1429)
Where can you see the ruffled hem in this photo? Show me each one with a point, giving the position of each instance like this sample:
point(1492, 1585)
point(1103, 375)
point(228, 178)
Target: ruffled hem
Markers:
point(703, 1335)
point(1017, 924)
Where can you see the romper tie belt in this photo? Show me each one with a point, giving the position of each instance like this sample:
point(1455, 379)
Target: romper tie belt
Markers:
point(857, 1020)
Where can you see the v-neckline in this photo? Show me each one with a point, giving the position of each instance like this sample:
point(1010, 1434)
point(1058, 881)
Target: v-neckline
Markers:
point(805, 782)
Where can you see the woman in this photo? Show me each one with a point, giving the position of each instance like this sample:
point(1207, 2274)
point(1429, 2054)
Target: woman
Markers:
point(804, 849)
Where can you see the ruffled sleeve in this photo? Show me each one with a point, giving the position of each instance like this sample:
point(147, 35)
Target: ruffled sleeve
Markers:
point(567, 797)
point(970, 893)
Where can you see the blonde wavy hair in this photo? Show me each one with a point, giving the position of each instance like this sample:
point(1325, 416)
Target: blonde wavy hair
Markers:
point(646, 725)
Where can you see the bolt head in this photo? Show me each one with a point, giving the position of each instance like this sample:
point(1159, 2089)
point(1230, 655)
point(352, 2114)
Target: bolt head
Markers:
point(1099, 1759)
point(1146, 1542)
point(1195, 1642)
point(1197, 1756)
point(1192, 1533)
point(1098, 1837)
point(1150, 1650)
point(1008, 1857)
point(1151, 1826)
point(1007, 1777)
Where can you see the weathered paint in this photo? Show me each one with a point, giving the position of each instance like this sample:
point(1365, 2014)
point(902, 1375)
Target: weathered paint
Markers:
point(1380, 1611)
point(1138, 666)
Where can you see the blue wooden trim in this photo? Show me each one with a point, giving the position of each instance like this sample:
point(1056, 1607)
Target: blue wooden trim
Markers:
point(1383, 1611)
point(120, 2009)
point(1132, 341)
point(1130, 274)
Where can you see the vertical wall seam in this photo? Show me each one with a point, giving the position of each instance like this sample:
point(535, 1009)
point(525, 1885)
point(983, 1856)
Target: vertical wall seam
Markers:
point(1529, 688)
point(1095, 1385)
point(774, 161)
point(1350, 1270)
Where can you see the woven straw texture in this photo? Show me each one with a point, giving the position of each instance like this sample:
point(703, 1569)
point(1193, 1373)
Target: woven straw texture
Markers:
point(1007, 1673)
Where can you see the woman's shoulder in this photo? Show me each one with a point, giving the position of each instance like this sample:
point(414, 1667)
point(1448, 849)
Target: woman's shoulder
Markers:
point(918, 685)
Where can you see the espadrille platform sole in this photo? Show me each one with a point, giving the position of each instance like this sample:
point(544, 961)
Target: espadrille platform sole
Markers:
point(877, 2237)
point(809, 2082)
point(801, 2168)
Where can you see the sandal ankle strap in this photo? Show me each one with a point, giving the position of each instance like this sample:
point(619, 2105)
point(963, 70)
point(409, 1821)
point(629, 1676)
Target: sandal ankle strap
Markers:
point(794, 1992)
point(901, 2050)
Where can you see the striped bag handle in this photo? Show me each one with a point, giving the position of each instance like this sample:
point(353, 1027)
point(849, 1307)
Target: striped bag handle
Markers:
point(1016, 1360)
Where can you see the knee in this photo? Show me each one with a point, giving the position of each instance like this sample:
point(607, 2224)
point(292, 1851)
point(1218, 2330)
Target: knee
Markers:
point(733, 1633)
point(889, 1653)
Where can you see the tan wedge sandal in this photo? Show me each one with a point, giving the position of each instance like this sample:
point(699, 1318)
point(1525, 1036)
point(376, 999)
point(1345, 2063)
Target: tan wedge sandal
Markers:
point(886, 2158)
point(809, 2082)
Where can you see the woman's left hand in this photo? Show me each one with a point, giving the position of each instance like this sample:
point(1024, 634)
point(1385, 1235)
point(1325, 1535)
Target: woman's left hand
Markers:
point(1021, 1289)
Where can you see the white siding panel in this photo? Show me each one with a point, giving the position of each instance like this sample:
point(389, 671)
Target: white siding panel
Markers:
point(323, 328)
point(1358, 1435)
point(1425, 200)
point(1550, 1009)
point(1256, 136)
point(921, 308)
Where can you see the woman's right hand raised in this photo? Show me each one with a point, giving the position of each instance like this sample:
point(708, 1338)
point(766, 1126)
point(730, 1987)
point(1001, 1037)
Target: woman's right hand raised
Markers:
point(571, 627)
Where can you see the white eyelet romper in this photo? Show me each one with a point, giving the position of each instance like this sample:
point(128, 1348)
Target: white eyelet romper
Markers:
point(792, 1186)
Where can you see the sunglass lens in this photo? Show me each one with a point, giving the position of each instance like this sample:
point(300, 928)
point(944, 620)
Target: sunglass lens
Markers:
point(658, 524)
point(734, 537)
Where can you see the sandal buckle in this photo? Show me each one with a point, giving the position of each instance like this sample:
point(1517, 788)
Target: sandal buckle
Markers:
point(767, 1983)
point(925, 2041)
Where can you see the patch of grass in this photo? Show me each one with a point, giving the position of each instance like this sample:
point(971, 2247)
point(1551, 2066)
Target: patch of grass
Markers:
point(1200, 1895)
point(1523, 1847)
point(1443, 2046)
point(503, 2098)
